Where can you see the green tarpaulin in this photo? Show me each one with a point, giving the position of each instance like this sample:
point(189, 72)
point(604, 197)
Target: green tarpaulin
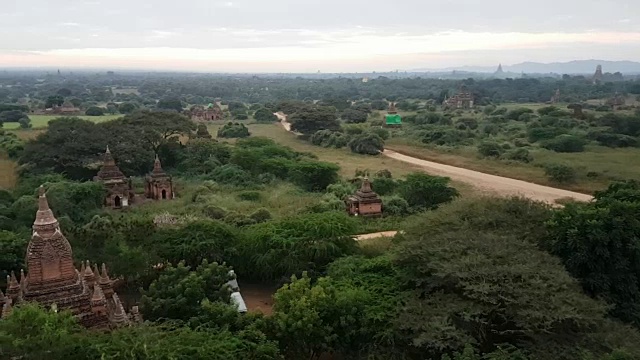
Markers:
point(394, 119)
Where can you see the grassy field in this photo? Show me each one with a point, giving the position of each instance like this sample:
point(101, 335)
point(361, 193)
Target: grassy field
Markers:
point(42, 121)
point(8, 175)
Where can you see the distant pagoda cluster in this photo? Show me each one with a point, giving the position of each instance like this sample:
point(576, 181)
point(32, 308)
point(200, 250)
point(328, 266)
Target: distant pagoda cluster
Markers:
point(120, 194)
point(53, 281)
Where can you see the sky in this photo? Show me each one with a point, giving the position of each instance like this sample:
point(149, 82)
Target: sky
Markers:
point(312, 35)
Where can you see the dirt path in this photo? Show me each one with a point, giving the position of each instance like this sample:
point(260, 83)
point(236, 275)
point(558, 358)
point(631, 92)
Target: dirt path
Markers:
point(491, 183)
point(283, 120)
point(486, 183)
point(375, 235)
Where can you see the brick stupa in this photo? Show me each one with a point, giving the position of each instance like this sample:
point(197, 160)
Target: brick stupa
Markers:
point(55, 283)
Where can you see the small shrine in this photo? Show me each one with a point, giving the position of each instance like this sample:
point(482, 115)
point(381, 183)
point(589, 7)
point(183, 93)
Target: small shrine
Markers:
point(119, 190)
point(158, 184)
point(364, 202)
point(393, 119)
point(53, 280)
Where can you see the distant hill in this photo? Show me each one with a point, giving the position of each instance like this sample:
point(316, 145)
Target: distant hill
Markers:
point(571, 67)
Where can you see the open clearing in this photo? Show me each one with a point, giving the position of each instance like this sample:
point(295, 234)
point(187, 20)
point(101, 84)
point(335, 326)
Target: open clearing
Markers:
point(42, 121)
point(8, 176)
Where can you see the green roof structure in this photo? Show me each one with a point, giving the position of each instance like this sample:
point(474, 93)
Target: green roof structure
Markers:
point(393, 119)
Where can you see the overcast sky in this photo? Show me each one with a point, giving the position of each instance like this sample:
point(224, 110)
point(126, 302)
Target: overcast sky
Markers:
point(311, 35)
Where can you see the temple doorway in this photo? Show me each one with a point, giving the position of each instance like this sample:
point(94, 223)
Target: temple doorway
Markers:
point(117, 202)
point(164, 194)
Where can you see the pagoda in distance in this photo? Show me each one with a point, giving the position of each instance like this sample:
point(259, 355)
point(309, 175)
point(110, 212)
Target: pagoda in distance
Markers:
point(53, 281)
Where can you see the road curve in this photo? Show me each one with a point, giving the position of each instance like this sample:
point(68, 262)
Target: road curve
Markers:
point(491, 183)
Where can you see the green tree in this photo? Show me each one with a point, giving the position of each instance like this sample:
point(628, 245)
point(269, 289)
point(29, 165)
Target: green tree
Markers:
point(12, 116)
point(31, 332)
point(367, 143)
point(94, 111)
point(170, 103)
point(310, 321)
point(52, 101)
point(127, 108)
point(233, 130)
point(598, 244)
point(313, 175)
point(12, 250)
point(565, 144)
point(311, 118)
point(426, 192)
point(179, 292)
point(480, 279)
point(353, 116)
point(560, 173)
point(490, 149)
point(265, 116)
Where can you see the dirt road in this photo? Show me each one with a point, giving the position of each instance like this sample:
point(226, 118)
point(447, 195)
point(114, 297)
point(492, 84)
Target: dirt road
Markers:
point(486, 183)
point(283, 120)
point(375, 235)
point(491, 183)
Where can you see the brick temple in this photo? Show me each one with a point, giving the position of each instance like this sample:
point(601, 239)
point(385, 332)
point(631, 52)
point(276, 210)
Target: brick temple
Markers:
point(54, 282)
point(462, 100)
point(158, 184)
point(119, 189)
point(364, 202)
point(211, 113)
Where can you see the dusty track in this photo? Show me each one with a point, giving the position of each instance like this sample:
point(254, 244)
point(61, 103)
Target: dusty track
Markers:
point(486, 183)
point(491, 183)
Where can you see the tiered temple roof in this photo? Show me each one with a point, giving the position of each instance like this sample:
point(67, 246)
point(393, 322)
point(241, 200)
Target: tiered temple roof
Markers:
point(364, 202)
point(53, 281)
point(109, 170)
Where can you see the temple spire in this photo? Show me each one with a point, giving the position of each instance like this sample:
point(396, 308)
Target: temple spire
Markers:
point(104, 275)
point(45, 220)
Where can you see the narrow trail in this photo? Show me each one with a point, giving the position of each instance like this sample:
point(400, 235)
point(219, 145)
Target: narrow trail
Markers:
point(375, 235)
point(486, 183)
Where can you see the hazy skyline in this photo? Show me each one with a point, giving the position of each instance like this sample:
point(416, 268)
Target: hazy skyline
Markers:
point(299, 36)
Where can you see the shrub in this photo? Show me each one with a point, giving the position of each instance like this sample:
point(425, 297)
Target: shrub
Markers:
point(422, 191)
point(233, 130)
point(560, 173)
point(353, 116)
point(314, 175)
point(250, 195)
point(565, 144)
point(384, 173)
point(94, 111)
point(383, 133)
point(25, 123)
point(368, 144)
point(261, 215)
point(214, 212)
point(341, 190)
point(467, 123)
point(614, 140)
point(384, 185)
point(264, 115)
point(231, 174)
point(395, 206)
point(490, 149)
point(543, 133)
point(516, 113)
point(521, 155)
point(238, 220)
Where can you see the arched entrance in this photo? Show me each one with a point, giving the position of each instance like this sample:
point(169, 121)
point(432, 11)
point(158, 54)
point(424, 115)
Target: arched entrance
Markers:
point(117, 202)
point(164, 194)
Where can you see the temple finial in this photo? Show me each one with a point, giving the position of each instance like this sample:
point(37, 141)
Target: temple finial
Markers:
point(108, 151)
point(105, 276)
